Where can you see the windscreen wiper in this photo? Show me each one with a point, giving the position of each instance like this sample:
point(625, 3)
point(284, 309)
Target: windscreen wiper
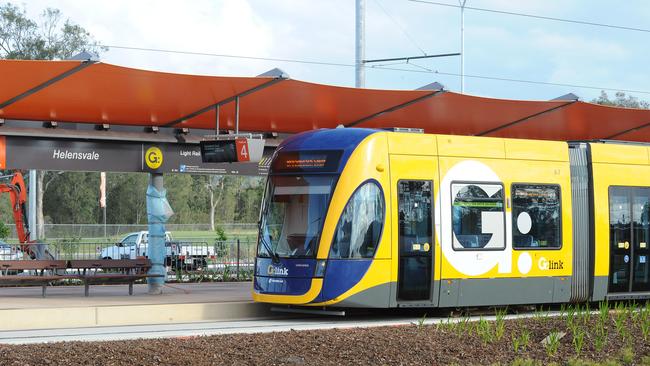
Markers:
point(274, 256)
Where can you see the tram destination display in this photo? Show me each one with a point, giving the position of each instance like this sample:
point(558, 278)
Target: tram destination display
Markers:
point(307, 161)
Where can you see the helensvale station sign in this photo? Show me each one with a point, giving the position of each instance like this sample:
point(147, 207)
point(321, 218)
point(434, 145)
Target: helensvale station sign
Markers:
point(73, 155)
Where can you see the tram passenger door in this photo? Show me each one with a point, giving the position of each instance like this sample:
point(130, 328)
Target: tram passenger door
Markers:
point(413, 192)
point(415, 239)
point(629, 224)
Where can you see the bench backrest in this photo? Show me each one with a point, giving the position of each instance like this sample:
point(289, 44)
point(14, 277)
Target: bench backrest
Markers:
point(33, 265)
point(110, 263)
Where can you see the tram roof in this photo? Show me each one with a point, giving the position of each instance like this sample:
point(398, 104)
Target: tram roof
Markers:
point(101, 93)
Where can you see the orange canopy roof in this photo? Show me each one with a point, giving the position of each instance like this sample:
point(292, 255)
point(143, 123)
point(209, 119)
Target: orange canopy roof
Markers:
point(95, 92)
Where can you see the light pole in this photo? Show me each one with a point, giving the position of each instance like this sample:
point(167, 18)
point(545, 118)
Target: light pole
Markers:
point(462, 45)
point(360, 49)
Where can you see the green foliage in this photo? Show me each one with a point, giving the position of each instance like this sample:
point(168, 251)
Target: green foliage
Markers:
point(500, 323)
point(520, 342)
point(552, 343)
point(221, 234)
point(578, 339)
point(126, 201)
point(422, 321)
point(620, 320)
point(600, 339)
point(541, 315)
point(645, 361)
point(627, 355)
point(4, 231)
point(67, 248)
point(524, 362)
point(47, 38)
point(621, 100)
point(644, 321)
point(484, 330)
point(603, 311)
point(72, 198)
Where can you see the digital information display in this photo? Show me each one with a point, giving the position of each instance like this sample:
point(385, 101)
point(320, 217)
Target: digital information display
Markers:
point(306, 161)
point(224, 151)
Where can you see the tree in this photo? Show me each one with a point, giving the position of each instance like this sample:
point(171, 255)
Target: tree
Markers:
point(22, 38)
point(215, 186)
point(49, 38)
point(621, 100)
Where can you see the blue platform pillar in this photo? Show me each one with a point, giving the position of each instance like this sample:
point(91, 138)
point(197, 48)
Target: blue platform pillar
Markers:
point(158, 212)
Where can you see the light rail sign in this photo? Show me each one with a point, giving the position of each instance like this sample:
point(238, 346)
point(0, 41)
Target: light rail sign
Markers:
point(84, 155)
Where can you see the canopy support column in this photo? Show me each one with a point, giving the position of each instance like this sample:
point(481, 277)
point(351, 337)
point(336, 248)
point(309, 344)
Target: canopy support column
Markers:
point(158, 212)
point(237, 115)
point(217, 110)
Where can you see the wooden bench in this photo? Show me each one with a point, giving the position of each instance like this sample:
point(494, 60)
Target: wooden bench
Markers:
point(102, 271)
point(47, 271)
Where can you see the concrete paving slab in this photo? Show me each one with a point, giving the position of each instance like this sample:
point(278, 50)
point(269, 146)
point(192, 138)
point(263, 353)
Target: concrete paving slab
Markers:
point(23, 308)
point(105, 295)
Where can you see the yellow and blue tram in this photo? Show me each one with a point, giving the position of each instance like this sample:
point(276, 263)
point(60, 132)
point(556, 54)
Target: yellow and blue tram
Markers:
point(376, 219)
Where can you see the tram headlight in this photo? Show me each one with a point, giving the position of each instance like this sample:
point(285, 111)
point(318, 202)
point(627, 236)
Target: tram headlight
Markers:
point(320, 268)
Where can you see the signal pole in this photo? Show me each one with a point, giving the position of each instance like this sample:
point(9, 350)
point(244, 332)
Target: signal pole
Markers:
point(462, 45)
point(360, 49)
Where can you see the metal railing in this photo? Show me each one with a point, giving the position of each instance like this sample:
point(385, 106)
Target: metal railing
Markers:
point(185, 261)
point(55, 231)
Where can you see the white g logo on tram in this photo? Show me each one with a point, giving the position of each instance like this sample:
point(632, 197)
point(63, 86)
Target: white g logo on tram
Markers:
point(457, 249)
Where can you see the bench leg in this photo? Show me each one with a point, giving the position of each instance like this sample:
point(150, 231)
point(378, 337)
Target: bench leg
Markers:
point(86, 289)
point(130, 288)
point(44, 288)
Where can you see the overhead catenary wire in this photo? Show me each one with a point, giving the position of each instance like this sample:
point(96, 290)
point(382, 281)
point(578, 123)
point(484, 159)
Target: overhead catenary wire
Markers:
point(337, 64)
point(565, 20)
point(401, 27)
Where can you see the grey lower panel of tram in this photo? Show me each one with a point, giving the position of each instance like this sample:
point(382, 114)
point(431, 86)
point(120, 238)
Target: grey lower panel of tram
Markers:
point(489, 291)
point(600, 288)
point(472, 292)
point(510, 291)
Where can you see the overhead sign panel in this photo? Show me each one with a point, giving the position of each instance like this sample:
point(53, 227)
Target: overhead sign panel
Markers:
point(73, 155)
point(240, 149)
point(219, 151)
point(53, 154)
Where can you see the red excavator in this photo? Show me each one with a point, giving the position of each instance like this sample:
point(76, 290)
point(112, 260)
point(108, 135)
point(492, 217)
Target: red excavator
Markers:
point(18, 195)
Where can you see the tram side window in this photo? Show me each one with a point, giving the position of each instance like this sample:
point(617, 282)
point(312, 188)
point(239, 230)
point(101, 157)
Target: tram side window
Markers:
point(536, 216)
point(477, 216)
point(359, 228)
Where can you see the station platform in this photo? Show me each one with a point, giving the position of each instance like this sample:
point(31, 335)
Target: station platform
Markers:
point(23, 308)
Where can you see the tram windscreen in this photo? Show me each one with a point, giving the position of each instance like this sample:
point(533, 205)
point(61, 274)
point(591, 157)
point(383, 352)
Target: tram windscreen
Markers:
point(293, 214)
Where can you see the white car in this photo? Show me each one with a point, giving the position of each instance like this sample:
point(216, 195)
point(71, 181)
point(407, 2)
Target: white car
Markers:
point(177, 254)
point(131, 246)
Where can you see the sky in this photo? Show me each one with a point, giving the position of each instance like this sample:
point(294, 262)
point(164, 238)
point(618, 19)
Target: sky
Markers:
point(496, 45)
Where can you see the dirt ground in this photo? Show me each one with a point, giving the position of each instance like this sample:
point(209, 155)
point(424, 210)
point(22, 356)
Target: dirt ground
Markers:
point(617, 340)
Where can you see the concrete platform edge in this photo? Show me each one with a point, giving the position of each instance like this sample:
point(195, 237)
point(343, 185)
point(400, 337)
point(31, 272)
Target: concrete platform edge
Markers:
point(118, 315)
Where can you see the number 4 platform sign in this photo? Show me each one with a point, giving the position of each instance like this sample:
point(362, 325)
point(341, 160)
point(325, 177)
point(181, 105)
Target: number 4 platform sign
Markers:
point(241, 144)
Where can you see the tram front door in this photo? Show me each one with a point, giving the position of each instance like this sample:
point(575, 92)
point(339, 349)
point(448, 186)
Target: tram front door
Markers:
point(629, 227)
point(413, 188)
point(415, 239)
